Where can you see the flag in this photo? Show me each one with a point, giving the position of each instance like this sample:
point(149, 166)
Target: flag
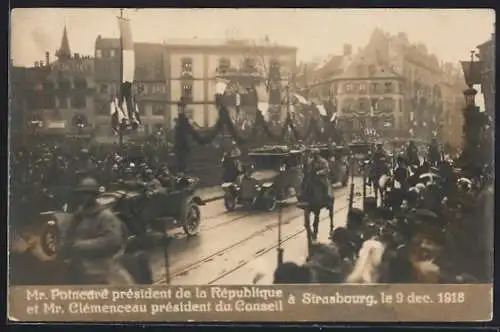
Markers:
point(220, 86)
point(115, 122)
point(127, 46)
point(301, 99)
point(321, 110)
point(263, 108)
point(334, 117)
point(472, 71)
point(126, 101)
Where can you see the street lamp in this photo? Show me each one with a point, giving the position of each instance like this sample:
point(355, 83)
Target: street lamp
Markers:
point(473, 119)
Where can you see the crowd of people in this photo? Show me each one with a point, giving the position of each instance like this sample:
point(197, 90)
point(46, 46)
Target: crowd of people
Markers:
point(431, 225)
point(42, 173)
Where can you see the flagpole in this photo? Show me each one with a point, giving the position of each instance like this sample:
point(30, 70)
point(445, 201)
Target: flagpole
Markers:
point(120, 125)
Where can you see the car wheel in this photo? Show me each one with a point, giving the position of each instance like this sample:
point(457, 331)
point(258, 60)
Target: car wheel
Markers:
point(49, 239)
point(269, 203)
point(229, 202)
point(192, 218)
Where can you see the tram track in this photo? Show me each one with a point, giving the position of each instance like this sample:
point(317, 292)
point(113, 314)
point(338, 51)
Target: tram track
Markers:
point(227, 249)
point(262, 252)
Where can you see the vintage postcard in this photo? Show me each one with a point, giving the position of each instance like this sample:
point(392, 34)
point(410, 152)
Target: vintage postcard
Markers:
point(276, 165)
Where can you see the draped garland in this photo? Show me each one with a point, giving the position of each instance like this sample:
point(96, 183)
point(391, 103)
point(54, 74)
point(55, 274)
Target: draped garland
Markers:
point(313, 130)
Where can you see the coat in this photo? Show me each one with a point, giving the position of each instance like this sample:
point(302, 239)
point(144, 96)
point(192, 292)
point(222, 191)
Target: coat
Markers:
point(93, 242)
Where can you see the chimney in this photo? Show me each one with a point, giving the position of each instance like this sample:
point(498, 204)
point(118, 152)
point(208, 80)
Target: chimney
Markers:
point(47, 58)
point(347, 49)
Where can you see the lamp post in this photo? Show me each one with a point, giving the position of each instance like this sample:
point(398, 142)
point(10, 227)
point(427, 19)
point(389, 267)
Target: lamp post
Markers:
point(473, 122)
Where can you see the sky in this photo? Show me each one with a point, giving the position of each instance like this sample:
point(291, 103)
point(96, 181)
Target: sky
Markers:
point(450, 34)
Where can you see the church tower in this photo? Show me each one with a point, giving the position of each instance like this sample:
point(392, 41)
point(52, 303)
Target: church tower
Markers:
point(64, 52)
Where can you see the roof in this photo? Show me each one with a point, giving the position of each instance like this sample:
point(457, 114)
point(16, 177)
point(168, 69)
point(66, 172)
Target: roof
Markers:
point(199, 43)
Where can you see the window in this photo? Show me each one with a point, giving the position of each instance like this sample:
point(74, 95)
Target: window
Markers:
point(139, 88)
point(362, 88)
point(63, 102)
point(187, 67)
point(158, 109)
point(112, 53)
point(375, 88)
point(98, 53)
point(104, 88)
point(187, 91)
point(224, 65)
point(78, 101)
point(388, 87)
point(158, 88)
point(348, 87)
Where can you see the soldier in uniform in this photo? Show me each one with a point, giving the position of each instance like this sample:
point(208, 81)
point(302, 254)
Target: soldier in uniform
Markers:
point(412, 154)
point(434, 155)
point(320, 172)
point(92, 240)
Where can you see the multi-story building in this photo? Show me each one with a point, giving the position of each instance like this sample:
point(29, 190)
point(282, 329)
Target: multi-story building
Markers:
point(452, 119)
point(188, 70)
point(150, 84)
point(487, 56)
point(58, 95)
point(390, 84)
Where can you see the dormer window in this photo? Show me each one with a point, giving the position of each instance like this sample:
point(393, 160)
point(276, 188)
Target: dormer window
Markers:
point(187, 67)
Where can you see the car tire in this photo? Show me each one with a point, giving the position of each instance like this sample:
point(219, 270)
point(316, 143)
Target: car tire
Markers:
point(229, 202)
point(191, 219)
point(49, 238)
point(269, 203)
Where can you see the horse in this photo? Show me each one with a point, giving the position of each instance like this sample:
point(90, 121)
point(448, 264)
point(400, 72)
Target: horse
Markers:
point(376, 171)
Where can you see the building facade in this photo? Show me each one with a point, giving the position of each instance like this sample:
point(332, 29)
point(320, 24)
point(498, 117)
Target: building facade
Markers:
point(150, 86)
point(56, 96)
point(188, 70)
point(390, 85)
point(487, 56)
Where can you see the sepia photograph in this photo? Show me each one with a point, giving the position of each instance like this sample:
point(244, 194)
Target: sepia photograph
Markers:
point(170, 153)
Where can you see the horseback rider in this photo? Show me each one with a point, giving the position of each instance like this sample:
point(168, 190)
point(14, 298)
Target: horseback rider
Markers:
point(321, 171)
point(92, 239)
point(412, 154)
point(434, 155)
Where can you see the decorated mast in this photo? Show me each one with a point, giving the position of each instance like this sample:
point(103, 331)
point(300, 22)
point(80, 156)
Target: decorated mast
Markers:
point(124, 111)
